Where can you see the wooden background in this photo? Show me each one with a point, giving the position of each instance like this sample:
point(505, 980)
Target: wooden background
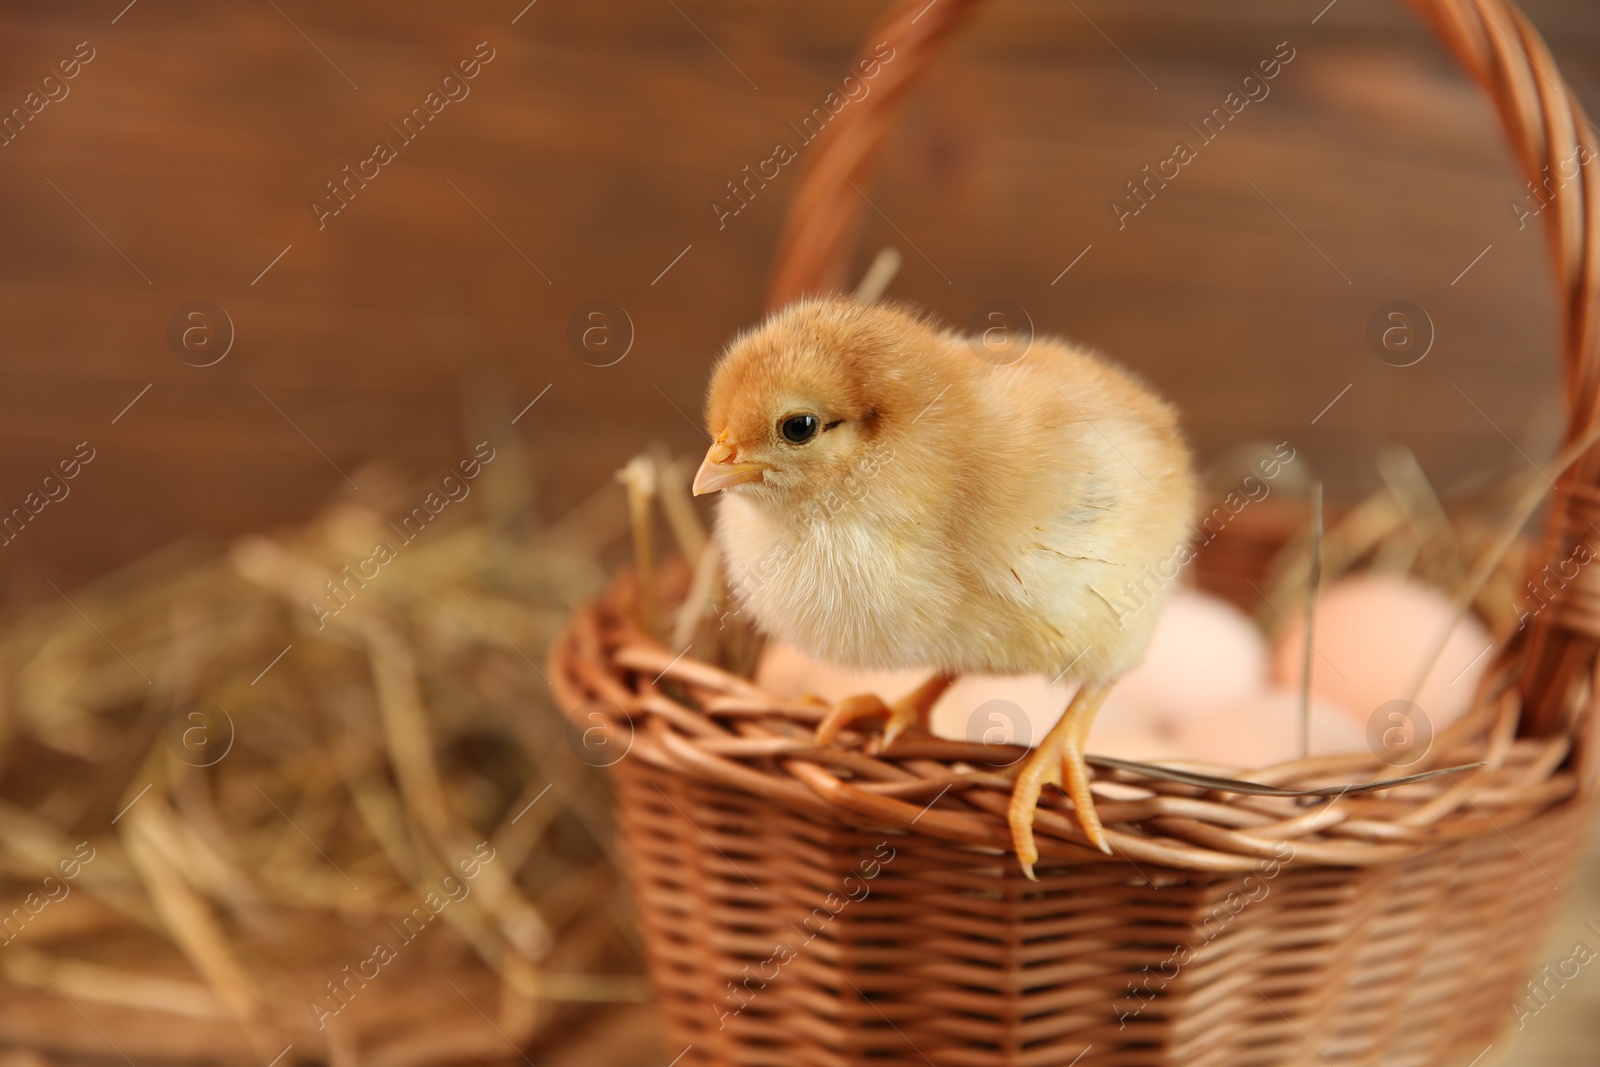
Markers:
point(584, 162)
point(435, 307)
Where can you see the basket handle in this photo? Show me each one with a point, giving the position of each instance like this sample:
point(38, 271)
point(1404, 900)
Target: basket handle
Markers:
point(1547, 128)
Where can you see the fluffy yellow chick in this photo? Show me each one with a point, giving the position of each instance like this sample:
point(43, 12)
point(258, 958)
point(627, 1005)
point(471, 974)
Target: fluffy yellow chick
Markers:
point(891, 500)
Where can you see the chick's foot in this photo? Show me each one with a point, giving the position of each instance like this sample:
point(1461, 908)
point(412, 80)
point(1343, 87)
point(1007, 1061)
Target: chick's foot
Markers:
point(1059, 761)
point(910, 710)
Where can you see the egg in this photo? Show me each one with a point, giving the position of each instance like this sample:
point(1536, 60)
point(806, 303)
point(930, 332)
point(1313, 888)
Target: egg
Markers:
point(1112, 739)
point(1205, 654)
point(991, 709)
point(1264, 729)
point(1373, 635)
point(1002, 709)
point(788, 672)
point(1016, 709)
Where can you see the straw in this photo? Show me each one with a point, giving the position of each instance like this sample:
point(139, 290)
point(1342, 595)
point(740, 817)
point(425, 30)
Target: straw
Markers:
point(1313, 589)
point(875, 282)
point(366, 746)
point(1534, 495)
point(639, 476)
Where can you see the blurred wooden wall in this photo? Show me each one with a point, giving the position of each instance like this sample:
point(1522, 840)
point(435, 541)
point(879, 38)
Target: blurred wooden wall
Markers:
point(182, 163)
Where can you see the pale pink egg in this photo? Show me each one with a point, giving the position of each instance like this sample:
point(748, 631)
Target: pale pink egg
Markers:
point(1265, 729)
point(1373, 636)
point(1205, 654)
point(1109, 739)
point(986, 708)
point(999, 709)
point(788, 672)
point(1015, 709)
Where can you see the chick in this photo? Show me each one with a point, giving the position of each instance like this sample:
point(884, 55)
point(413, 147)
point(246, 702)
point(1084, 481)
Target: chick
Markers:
point(891, 500)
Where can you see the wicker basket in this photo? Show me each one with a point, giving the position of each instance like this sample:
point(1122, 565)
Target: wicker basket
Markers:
point(806, 906)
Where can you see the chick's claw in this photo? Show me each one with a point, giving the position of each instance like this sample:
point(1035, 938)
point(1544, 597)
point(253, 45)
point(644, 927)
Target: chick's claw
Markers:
point(910, 710)
point(1077, 787)
point(851, 710)
point(1058, 761)
point(1042, 768)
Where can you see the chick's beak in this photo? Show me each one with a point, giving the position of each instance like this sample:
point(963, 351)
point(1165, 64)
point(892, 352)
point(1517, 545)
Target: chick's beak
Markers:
point(722, 468)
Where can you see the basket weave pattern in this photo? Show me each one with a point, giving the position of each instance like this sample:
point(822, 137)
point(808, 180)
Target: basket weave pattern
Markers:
point(823, 906)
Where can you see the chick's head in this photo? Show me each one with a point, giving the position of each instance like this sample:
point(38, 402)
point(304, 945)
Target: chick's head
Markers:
point(798, 403)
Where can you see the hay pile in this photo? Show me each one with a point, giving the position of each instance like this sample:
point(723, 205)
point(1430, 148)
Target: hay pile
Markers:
point(235, 828)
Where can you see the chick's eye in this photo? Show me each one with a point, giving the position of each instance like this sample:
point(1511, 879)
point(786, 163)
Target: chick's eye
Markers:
point(799, 428)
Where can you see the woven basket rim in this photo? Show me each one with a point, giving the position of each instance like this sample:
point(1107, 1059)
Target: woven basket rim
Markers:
point(1529, 727)
point(698, 720)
